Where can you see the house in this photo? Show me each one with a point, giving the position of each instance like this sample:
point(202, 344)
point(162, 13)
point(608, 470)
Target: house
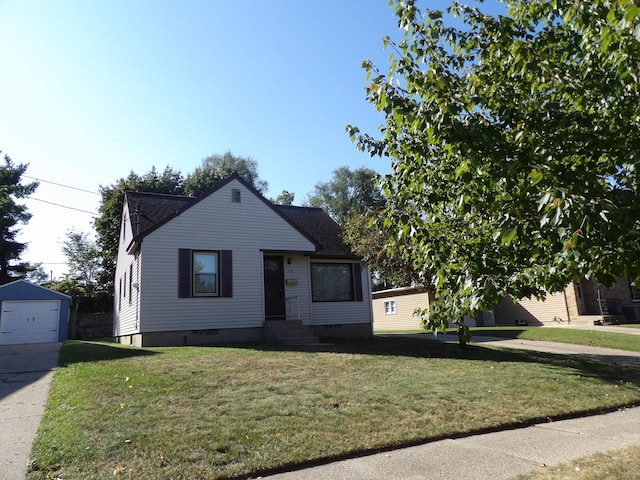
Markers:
point(231, 266)
point(581, 303)
point(32, 314)
point(393, 309)
point(585, 302)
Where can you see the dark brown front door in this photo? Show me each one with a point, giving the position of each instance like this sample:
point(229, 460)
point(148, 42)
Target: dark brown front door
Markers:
point(273, 288)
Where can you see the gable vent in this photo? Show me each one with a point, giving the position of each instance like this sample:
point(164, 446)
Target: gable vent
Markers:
point(235, 195)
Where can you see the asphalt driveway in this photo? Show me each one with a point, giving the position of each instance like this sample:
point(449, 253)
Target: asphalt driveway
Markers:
point(26, 372)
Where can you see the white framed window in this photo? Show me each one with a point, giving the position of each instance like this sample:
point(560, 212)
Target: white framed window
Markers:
point(205, 273)
point(390, 307)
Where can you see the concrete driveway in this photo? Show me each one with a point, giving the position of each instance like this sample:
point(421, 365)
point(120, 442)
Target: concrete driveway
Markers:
point(26, 372)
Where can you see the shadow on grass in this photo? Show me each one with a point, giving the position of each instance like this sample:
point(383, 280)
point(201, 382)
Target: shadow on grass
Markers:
point(615, 374)
point(78, 351)
point(613, 369)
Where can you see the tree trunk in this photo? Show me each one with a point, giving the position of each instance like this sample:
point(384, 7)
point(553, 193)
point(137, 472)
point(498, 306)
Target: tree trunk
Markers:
point(462, 339)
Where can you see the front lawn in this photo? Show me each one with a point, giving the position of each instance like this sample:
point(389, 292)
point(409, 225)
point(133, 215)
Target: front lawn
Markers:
point(618, 465)
point(592, 338)
point(220, 412)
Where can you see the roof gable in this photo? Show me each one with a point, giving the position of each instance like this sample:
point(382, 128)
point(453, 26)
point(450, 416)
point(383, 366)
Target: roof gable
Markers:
point(149, 211)
point(23, 287)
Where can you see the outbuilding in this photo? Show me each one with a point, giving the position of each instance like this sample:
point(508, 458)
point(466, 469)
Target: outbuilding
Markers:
point(32, 314)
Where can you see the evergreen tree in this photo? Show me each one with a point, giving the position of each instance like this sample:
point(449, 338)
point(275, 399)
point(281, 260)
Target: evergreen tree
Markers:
point(11, 215)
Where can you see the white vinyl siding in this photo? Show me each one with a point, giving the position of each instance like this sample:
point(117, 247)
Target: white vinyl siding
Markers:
point(215, 223)
point(126, 308)
point(126, 313)
point(390, 307)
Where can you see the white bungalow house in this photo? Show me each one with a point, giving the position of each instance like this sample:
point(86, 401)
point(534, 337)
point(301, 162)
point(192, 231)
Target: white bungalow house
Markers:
point(231, 266)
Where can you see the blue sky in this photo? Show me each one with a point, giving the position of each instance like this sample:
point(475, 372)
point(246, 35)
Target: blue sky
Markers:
point(92, 90)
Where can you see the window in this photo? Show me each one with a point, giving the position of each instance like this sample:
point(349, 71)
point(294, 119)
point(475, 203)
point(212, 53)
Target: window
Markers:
point(390, 307)
point(336, 282)
point(130, 282)
point(235, 196)
point(205, 273)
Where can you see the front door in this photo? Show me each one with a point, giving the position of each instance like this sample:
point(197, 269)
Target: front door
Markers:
point(274, 288)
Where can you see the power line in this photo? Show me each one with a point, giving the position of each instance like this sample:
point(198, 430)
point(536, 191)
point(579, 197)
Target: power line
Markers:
point(63, 206)
point(61, 185)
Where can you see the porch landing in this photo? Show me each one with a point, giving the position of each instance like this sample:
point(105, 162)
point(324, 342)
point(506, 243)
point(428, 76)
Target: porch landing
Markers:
point(289, 332)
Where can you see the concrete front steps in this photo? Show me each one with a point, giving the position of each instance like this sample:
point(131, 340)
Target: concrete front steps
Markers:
point(289, 332)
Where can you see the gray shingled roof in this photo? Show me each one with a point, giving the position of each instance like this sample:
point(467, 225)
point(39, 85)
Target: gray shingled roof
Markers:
point(150, 210)
point(320, 227)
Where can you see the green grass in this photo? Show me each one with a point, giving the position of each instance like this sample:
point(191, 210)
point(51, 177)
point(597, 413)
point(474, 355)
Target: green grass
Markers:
point(593, 338)
point(618, 465)
point(233, 412)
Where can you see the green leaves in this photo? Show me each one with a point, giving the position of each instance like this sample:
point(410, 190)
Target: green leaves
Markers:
point(509, 235)
point(513, 142)
point(536, 176)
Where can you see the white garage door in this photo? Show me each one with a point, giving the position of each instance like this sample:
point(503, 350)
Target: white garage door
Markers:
point(29, 322)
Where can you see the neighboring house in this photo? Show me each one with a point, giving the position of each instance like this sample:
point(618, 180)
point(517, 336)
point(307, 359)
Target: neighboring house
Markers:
point(32, 314)
point(229, 266)
point(393, 309)
point(582, 302)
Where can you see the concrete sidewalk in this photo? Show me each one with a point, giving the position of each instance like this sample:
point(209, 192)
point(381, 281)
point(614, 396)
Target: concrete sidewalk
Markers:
point(26, 372)
point(492, 456)
point(609, 355)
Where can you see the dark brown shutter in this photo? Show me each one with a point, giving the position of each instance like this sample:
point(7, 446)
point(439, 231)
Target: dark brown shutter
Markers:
point(184, 273)
point(357, 282)
point(226, 273)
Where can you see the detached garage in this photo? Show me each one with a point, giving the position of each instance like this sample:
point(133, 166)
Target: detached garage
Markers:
point(32, 314)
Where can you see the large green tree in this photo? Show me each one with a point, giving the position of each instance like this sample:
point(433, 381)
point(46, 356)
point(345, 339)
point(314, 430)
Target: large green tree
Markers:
point(12, 215)
point(388, 269)
point(83, 282)
point(347, 193)
point(83, 259)
point(216, 168)
point(515, 147)
point(107, 225)
point(285, 198)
